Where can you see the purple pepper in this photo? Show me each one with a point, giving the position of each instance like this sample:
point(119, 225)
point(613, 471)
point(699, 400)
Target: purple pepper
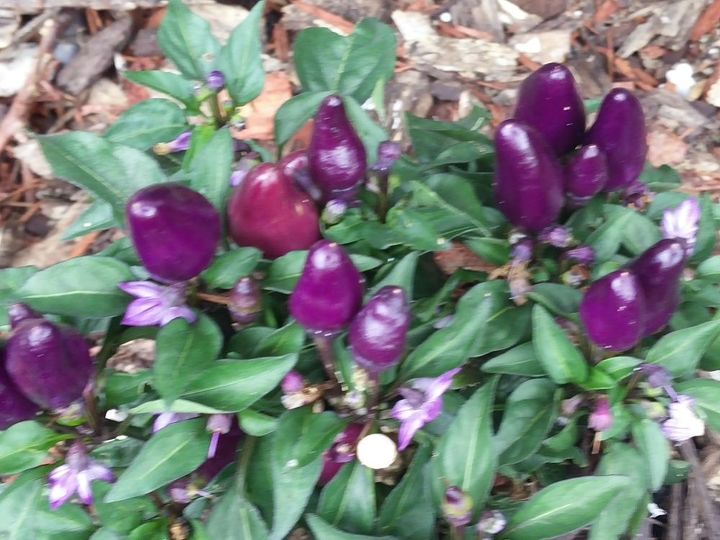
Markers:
point(245, 301)
point(549, 101)
point(613, 311)
point(658, 270)
point(341, 452)
point(378, 334)
point(268, 212)
point(174, 229)
point(49, 364)
point(528, 178)
point(329, 292)
point(18, 313)
point(296, 167)
point(336, 154)
point(586, 174)
point(14, 406)
point(619, 131)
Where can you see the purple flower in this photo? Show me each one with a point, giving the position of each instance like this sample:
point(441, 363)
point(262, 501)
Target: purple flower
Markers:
point(180, 144)
point(293, 382)
point(421, 404)
point(556, 235)
point(581, 254)
point(163, 420)
point(601, 419)
point(682, 222)
point(682, 423)
point(155, 304)
point(76, 476)
point(388, 153)
point(522, 251)
point(658, 377)
point(215, 80)
point(217, 424)
point(243, 167)
point(491, 522)
point(457, 507)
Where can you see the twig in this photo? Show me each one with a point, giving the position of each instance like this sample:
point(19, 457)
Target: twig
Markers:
point(29, 30)
point(14, 120)
point(674, 523)
point(710, 517)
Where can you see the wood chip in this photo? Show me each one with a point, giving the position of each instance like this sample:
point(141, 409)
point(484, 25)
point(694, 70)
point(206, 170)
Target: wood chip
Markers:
point(260, 113)
point(707, 21)
point(606, 10)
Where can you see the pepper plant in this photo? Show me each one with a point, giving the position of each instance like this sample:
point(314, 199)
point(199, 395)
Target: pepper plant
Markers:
point(316, 363)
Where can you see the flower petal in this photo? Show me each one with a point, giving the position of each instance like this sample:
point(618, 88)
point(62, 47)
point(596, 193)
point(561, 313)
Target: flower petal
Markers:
point(100, 472)
point(408, 428)
point(143, 312)
point(142, 289)
point(61, 491)
point(434, 388)
point(403, 410)
point(84, 489)
point(176, 313)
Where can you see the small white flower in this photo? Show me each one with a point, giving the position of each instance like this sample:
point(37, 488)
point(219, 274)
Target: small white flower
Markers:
point(682, 223)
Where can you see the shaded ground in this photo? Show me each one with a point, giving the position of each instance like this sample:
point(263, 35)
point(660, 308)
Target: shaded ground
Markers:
point(60, 63)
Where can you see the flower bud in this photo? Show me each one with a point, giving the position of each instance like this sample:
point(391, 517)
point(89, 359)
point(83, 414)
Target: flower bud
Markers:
point(457, 507)
point(581, 254)
point(619, 131)
point(215, 80)
point(601, 419)
point(14, 406)
point(329, 292)
point(659, 270)
point(296, 167)
point(174, 229)
point(528, 178)
point(245, 302)
point(556, 235)
point(49, 364)
point(334, 211)
point(378, 334)
point(336, 154)
point(268, 212)
point(388, 153)
point(341, 452)
point(613, 311)
point(293, 383)
point(585, 174)
point(179, 144)
point(549, 101)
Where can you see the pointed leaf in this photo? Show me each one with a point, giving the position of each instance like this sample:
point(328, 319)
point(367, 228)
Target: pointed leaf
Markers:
point(402, 275)
point(679, 352)
point(324, 531)
point(210, 169)
point(706, 393)
point(562, 361)
point(294, 113)
point(520, 360)
point(228, 268)
point(235, 518)
point(25, 445)
point(348, 501)
point(655, 450)
point(149, 122)
point(172, 84)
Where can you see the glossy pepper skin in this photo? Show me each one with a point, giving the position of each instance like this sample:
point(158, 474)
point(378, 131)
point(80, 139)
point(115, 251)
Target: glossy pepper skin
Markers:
point(619, 131)
point(585, 174)
point(341, 452)
point(329, 292)
point(296, 167)
point(528, 178)
point(49, 364)
point(378, 334)
point(336, 154)
point(659, 270)
point(548, 100)
point(14, 406)
point(174, 229)
point(613, 311)
point(268, 212)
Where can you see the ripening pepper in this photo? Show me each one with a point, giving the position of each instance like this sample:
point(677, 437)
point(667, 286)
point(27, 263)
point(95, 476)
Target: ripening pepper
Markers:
point(585, 174)
point(549, 101)
point(659, 269)
point(613, 311)
point(336, 154)
point(296, 167)
point(268, 212)
point(14, 406)
point(619, 131)
point(245, 301)
point(378, 334)
point(49, 364)
point(329, 292)
point(528, 177)
point(174, 229)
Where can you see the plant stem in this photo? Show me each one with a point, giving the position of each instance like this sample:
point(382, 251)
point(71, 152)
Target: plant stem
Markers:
point(710, 517)
point(324, 347)
point(247, 452)
point(216, 111)
point(383, 196)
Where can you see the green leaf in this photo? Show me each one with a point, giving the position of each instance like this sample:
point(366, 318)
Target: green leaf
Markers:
point(408, 511)
point(706, 393)
point(370, 133)
point(288, 339)
point(607, 238)
point(85, 287)
point(465, 456)
point(493, 250)
point(402, 275)
point(172, 84)
point(294, 113)
point(233, 385)
point(348, 501)
point(350, 66)
point(619, 367)
point(235, 518)
point(560, 358)
point(598, 380)
point(182, 349)
point(520, 360)
point(679, 352)
point(98, 217)
point(639, 233)
point(210, 170)
point(121, 516)
point(170, 453)
point(660, 178)
point(529, 413)
point(25, 445)
point(614, 520)
point(109, 171)
point(707, 232)
point(655, 450)
point(240, 59)
point(560, 299)
point(187, 41)
point(564, 507)
point(149, 122)
point(229, 267)
point(11, 280)
point(158, 406)
point(256, 423)
point(449, 347)
point(322, 530)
